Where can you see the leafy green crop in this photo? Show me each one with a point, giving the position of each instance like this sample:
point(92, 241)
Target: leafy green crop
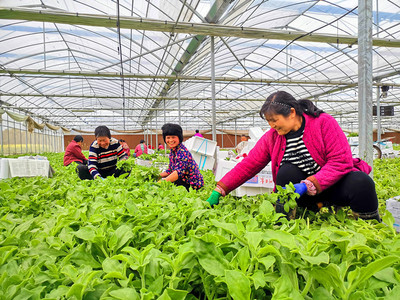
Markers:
point(148, 156)
point(134, 238)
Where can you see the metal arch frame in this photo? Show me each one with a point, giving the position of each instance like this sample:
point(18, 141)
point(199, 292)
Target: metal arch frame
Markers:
point(74, 51)
point(181, 27)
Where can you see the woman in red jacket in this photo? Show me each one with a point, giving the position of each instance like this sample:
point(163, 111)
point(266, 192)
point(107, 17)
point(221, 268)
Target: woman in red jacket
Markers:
point(73, 153)
point(307, 147)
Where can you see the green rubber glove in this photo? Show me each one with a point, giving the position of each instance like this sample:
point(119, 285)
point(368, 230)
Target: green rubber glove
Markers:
point(214, 198)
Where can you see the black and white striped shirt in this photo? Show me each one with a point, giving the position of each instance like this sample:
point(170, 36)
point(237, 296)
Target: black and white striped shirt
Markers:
point(103, 161)
point(297, 154)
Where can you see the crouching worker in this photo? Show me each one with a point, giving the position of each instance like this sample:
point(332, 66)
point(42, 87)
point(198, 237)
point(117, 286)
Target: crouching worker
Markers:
point(73, 153)
point(308, 148)
point(104, 153)
point(182, 169)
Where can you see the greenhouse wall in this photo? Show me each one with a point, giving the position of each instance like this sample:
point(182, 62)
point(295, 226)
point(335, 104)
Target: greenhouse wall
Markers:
point(16, 139)
point(224, 141)
point(393, 136)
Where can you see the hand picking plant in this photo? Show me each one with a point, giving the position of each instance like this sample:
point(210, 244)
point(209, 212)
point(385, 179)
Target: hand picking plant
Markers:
point(286, 196)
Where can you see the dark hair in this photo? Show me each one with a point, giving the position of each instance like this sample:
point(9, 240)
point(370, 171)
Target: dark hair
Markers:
point(122, 141)
point(78, 138)
point(281, 102)
point(141, 141)
point(197, 131)
point(102, 131)
point(172, 129)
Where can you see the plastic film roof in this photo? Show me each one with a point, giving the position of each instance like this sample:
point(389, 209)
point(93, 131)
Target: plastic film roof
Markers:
point(68, 63)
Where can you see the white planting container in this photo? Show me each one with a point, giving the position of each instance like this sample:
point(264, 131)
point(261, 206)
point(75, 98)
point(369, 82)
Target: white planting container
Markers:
point(201, 146)
point(393, 205)
point(260, 184)
point(250, 191)
point(4, 168)
point(142, 162)
point(29, 167)
point(256, 133)
point(203, 161)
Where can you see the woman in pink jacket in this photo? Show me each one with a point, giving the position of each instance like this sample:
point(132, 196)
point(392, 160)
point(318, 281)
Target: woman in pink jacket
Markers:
point(140, 149)
point(307, 147)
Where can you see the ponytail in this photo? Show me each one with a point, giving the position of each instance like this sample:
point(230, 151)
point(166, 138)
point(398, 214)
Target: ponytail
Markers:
point(281, 103)
point(309, 108)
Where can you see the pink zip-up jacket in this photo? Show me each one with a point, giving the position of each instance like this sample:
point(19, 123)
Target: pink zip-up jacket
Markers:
point(325, 142)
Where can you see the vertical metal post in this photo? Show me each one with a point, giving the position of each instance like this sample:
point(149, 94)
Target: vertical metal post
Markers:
point(378, 96)
point(49, 140)
point(54, 142)
point(1, 136)
point(165, 121)
point(222, 136)
point(235, 135)
point(151, 133)
point(30, 142)
point(63, 141)
point(365, 80)
point(165, 114)
point(157, 129)
point(179, 101)
point(43, 141)
point(15, 138)
point(44, 46)
point(213, 117)
point(378, 115)
point(26, 139)
point(8, 136)
point(20, 136)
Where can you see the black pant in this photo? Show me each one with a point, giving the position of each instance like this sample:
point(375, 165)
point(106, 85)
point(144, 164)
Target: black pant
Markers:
point(83, 172)
point(355, 189)
point(183, 183)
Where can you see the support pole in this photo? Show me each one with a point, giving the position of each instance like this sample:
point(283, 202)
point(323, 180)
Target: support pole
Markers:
point(20, 137)
point(26, 139)
point(62, 141)
point(214, 132)
point(222, 136)
point(156, 131)
point(179, 101)
point(235, 135)
point(365, 80)
point(1, 136)
point(165, 121)
point(378, 115)
point(8, 137)
point(15, 138)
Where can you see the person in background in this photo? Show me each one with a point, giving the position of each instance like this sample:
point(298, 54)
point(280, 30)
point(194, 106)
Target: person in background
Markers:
point(182, 168)
point(243, 143)
point(104, 154)
point(140, 149)
point(125, 146)
point(198, 134)
point(160, 146)
point(73, 153)
point(307, 147)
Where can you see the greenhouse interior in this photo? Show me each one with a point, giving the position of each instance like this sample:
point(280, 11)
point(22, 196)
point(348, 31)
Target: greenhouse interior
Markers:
point(199, 149)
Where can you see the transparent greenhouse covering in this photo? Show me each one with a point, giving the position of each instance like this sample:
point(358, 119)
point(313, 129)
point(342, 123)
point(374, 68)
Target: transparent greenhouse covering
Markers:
point(137, 64)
